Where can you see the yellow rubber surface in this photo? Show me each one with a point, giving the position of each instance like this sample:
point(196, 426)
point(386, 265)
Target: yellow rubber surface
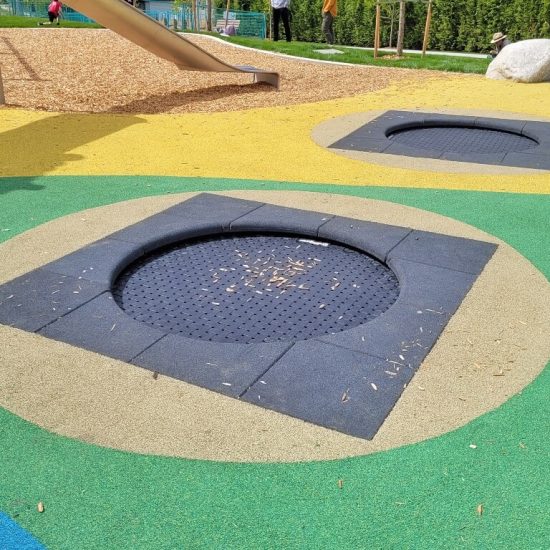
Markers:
point(260, 143)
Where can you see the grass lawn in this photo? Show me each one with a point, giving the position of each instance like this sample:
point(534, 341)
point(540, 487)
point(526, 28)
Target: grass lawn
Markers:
point(365, 57)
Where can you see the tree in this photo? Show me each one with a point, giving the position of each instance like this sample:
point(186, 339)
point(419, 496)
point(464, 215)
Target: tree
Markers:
point(401, 28)
point(390, 15)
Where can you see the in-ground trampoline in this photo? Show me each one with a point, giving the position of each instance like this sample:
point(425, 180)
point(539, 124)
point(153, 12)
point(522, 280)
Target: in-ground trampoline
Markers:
point(320, 317)
point(515, 143)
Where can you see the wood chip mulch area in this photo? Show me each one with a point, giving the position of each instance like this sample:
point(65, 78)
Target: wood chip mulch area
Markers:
point(95, 70)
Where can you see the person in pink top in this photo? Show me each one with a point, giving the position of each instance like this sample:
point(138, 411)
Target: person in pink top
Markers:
point(54, 11)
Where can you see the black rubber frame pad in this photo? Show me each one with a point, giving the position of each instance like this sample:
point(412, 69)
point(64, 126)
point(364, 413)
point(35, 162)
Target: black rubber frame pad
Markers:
point(373, 138)
point(348, 381)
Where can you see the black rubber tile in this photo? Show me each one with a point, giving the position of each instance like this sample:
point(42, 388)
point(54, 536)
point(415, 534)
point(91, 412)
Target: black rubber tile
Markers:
point(368, 135)
point(161, 230)
point(500, 124)
point(35, 299)
point(384, 127)
point(405, 150)
point(364, 144)
point(431, 288)
point(278, 218)
point(225, 368)
point(538, 150)
point(374, 238)
point(397, 117)
point(349, 392)
point(539, 131)
point(208, 207)
point(403, 335)
point(101, 326)
point(455, 253)
point(440, 119)
point(99, 262)
point(528, 160)
point(480, 158)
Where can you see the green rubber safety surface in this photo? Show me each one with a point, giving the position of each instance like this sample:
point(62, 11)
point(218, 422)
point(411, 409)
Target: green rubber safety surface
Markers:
point(420, 496)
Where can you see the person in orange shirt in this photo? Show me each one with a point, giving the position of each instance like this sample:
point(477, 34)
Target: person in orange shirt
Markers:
point(329, 12)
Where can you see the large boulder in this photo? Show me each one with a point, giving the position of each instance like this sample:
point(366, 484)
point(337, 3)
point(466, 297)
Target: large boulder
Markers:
point(525, 61)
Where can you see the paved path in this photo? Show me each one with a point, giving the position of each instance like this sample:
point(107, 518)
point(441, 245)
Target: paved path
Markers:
point(429, 52)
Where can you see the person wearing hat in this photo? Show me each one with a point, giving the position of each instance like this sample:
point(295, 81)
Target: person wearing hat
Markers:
point(498, 42)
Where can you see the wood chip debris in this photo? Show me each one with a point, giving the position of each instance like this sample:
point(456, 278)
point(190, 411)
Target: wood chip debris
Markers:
point(313, 242)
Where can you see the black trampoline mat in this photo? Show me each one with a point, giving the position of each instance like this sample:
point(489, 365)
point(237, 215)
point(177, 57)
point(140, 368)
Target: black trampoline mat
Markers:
point(462, 139)
point(255, 288)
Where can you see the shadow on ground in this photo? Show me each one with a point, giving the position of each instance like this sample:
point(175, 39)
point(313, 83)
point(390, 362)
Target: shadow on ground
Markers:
point(45, 145)
point(158, 104)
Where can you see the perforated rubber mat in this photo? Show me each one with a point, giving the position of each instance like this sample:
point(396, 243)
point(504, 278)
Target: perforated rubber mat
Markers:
point(255, 288)
point(462, 139)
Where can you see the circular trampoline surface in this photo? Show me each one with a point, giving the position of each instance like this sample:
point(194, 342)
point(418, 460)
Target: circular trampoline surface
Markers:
point(255, 288)
point(462, 139)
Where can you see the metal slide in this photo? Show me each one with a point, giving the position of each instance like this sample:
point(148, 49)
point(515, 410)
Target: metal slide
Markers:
point(134, 25)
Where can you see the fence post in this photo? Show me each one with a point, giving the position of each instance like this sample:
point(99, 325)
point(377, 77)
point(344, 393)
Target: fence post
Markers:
point(377, 30)
point(427, 28)
point(2, 96)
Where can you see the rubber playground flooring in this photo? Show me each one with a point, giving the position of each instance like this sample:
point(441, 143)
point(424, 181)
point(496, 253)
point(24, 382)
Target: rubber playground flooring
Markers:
point(481, 482)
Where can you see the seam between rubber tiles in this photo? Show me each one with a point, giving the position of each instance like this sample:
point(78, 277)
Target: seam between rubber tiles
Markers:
point(230, 228)
point(70, 311)
point(266, 370)
point(353, 350)
point(131, 361)
point(395, 245)
point(332, 217)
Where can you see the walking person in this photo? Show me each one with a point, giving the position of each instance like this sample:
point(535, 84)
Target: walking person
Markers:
point(329, 12)
point(54, 12)
point(281, 12)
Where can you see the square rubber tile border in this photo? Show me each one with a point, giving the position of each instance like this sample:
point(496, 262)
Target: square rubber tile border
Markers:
point(459, 139)
point(348, 381)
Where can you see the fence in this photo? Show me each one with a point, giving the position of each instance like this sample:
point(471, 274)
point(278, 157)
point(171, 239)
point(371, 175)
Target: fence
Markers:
point(39, 8)
point(251, 23)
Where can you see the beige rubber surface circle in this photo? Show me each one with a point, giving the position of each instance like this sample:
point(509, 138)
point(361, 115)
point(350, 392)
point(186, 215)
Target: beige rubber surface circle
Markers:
point(493, 346)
